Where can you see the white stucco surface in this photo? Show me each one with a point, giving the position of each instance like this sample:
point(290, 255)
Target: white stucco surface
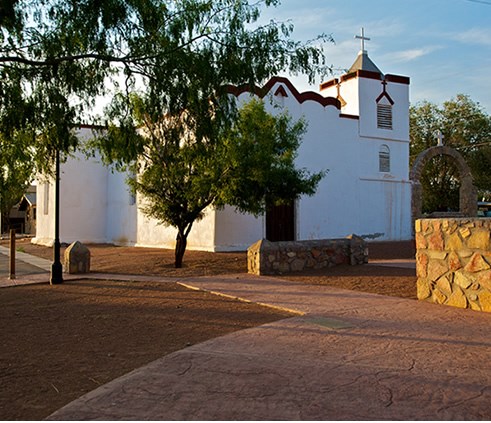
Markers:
point(342, 137)
point(236, 231)
point(153, 234)
point(121, 211)
point(83, 204)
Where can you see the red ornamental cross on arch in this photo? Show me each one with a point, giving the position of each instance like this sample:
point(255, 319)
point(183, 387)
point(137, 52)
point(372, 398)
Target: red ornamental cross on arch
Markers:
point(468, 193)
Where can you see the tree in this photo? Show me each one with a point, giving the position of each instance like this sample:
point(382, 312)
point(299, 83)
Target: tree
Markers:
point(47, 76)
point(58, 57)
point(52, 65)
point(465, 127)
point(248, 165)
point(260, 151)
point(185, 108)
point(16, 171)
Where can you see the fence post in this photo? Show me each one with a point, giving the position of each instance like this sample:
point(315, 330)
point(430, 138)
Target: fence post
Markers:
point(12, 254)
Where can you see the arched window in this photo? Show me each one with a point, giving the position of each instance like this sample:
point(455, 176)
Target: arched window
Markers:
point(384, 159)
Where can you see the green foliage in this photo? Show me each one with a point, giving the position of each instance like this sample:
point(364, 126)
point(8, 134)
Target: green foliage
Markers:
point(261, 152)
point(154, 59)
point(16, 168)
point(57, 57)
point(45, 80)
point(465, 127)
point(247, 164)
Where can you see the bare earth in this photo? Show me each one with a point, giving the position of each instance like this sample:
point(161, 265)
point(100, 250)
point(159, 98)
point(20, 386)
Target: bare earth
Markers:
point(59, 342)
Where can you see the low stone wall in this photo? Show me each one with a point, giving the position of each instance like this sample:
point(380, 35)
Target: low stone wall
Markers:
point(268, 258)
point(453, 262)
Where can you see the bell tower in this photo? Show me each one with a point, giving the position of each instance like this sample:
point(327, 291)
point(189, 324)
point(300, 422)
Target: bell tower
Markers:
point(380, 101)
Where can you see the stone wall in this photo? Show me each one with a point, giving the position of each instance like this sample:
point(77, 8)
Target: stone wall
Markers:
point(453, 262)
point(268, 258)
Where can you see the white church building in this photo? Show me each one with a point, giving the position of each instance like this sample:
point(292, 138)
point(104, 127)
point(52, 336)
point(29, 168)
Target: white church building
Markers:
point(358, 129)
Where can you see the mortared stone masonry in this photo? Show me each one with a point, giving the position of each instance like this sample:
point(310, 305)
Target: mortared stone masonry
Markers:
point(269, 258)
point(453, 262)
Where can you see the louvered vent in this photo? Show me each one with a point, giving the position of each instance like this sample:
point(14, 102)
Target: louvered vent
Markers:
point(384, 116)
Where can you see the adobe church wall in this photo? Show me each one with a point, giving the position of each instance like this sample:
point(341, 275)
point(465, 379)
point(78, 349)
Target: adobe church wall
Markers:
point(83, 186)
point(269, 258)
point(453, 262)
point(356, 196)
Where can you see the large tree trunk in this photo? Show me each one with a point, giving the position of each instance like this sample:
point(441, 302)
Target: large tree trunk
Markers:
point(181, 242)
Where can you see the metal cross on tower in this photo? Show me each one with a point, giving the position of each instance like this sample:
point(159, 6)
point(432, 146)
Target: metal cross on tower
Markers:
point(362, 38)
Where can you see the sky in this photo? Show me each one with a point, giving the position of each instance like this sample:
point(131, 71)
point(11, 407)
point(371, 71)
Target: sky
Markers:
point(444, 46)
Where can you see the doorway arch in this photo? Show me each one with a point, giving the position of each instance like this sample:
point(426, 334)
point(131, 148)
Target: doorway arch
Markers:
point(467, 193)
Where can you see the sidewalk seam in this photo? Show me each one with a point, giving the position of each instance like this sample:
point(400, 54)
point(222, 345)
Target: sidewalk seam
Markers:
point(233, 297)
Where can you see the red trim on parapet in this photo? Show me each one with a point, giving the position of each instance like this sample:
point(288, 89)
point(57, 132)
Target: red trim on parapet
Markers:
point(328, 84)
point(366, 74)
point(361, 74)
point(398, 79)
point(301, 97)
point(281, 91)
point(344, 115)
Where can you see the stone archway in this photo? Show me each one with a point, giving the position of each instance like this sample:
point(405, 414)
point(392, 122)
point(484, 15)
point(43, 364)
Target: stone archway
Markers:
point(468, 193)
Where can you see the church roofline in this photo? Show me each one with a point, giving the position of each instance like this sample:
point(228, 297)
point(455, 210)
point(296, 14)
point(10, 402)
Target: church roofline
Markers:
point(398, 79)
point(300, 97)
point(364, 63)
point(362, 74)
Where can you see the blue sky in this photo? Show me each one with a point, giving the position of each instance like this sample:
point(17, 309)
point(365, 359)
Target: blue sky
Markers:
point(444, 46)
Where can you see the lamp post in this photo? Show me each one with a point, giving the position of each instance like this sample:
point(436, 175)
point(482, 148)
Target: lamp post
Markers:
point(56, 267)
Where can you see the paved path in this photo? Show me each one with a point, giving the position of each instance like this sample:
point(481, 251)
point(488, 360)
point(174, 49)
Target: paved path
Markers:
point(28, 268)
point(345, 356)
point(350, 356)
point(38, 262)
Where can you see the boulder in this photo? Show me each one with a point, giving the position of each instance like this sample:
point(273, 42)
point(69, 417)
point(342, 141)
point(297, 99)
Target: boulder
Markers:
point(77, 258)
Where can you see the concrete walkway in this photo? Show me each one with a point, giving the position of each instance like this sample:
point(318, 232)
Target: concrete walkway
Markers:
point(346, 355)
point(350, 356)
point(40, 263)
point(28, 269)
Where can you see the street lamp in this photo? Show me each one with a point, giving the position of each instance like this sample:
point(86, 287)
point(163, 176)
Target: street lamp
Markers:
point(56, 267)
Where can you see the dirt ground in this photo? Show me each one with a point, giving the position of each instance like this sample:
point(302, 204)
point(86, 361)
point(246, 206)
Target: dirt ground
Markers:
point(61, 342)
point(397, 282)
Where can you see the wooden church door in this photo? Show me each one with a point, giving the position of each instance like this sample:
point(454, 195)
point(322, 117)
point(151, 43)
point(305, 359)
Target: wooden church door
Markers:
point(280, 222)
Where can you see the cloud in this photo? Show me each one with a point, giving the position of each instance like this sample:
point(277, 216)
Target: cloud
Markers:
point(309, 20)
point(412, 54)
point(478, 36)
